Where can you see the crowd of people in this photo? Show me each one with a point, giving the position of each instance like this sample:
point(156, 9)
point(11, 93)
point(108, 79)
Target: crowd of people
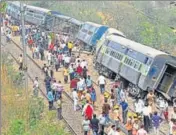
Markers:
point(115, 109)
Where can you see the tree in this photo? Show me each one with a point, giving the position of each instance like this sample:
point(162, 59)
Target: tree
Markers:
point(3, 6)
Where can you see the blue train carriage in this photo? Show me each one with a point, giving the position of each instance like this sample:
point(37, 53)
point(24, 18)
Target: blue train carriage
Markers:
point(109, 32)
point(89, 34)
point(141, 68)
point(35, 15)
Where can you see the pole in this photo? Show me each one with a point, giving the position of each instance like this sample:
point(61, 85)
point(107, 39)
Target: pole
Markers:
point(0, 75)
point(24, 48)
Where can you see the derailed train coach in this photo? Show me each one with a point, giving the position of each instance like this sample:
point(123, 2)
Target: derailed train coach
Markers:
point(139, 67)
point(90, 33)
point(62, 23)
point(33, 15)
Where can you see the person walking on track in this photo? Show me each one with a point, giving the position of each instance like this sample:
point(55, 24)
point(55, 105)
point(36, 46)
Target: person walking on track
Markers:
point(75, 99)
point(70, 47)
point(94, 123)
point(36, 87)
point(86, 126)
point(58, 106)
point(102, 83)
point(50, 99)
point(20, 59)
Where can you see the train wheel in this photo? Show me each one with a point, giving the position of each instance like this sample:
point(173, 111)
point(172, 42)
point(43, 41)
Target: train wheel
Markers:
point(134, 91)
point(174, 101)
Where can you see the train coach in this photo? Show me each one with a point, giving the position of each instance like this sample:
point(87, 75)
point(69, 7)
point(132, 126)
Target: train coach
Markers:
point(33, 15)
point(90, 34)
point(63, 23)
point(139, 67)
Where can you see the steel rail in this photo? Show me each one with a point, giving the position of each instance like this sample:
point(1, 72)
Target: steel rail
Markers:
point(43, 94)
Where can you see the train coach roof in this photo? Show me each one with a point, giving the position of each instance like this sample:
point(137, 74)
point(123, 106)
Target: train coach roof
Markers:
point(38, 8)
point(93, 24)
point(17, 3)
point(62, 16)
point(75, 21)
point(115, 32)
point(148, 51)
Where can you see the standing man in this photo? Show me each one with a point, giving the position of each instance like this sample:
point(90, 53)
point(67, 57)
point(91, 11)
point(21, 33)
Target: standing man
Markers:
point(20, 59)
point(50, 99)
point(146, 113)
point(70, 47)
point(142, 131)
point(102, 82)
point(58, 105)
point(106, 108)
point(156, 120)
point(94, 125)
point(75, 99)
point(36, 87)
point(124, 105)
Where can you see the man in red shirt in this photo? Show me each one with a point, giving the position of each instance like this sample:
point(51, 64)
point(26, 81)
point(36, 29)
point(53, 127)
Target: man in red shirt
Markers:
point(79, 70)
point(30, 43)
point(73, 83)
point(51, 47)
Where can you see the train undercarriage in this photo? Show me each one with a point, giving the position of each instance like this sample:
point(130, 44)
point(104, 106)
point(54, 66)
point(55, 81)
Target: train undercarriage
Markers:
point(132, 89)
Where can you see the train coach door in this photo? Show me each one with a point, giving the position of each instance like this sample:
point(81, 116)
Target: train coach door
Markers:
point(167, 79)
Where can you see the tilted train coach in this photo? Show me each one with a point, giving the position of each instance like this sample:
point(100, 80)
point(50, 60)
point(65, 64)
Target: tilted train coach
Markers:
point(141, 68)
point(91, 33)
point(33, 15)
point(47, 19)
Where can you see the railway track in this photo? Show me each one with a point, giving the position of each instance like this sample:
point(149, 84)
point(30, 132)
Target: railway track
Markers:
point(129, 99)
point(68, 96)
point(72, 119)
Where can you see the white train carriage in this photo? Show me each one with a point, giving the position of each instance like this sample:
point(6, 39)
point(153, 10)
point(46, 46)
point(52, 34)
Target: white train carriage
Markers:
point(35, 15)
point(32, 14)
point(140, 67)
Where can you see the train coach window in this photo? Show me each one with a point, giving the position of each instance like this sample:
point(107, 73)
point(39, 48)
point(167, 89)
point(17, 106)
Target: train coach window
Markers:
point(107, 51)
point(38, 16)
point(137, 65)
point(84, 30)
point(90, 33)
point(149, 61)
point(29, 14)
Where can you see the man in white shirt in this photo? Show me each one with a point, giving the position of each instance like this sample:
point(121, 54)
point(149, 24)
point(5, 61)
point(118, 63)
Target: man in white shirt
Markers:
point(146, 113)
point(78, 61)
point(112, 130)
point(101, 83)
point(36, 87)
point(80, 87)
point(139, 105)
point(67, 60)
point(63, 45)
point(49, 57)
point(141, 131)
point(75, 99)
point(54, 87)
point(84, 64)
